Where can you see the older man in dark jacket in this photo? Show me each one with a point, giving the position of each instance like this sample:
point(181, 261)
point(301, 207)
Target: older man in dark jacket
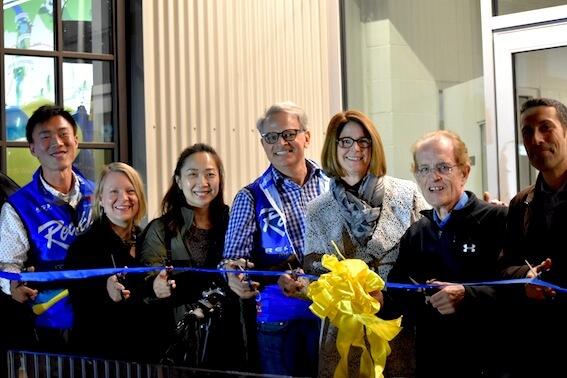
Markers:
point(454, 245)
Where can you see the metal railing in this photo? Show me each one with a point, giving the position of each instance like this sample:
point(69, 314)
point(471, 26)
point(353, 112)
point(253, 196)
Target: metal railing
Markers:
point(23, 364)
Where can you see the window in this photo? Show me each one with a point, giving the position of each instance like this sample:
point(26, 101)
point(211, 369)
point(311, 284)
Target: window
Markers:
point(64, 52)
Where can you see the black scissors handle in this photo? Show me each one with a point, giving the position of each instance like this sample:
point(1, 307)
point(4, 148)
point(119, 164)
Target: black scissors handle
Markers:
point(246, 276)
point(119, 277)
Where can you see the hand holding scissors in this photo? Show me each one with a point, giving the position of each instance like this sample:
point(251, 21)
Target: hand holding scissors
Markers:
point(539, 291)
point(289, 281)
point(426, 292)
point(240, 282)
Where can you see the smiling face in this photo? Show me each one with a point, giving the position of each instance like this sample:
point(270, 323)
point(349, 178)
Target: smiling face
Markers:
point(441, 191)
point(199, 180)
point(119, 200)
point(54, 144)
point(354, 160)
point(286, 156)
point(545, 141)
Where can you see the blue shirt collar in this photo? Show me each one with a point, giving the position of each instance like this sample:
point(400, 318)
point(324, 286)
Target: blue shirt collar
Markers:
point(462, 202)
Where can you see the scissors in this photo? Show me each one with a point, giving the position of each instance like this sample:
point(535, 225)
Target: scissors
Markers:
point(246, 276)
point(294, 272)
point(538, 275)
point(426, 292)
point(119, 277)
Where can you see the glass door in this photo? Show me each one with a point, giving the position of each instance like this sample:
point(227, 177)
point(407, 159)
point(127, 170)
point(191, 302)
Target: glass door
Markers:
point(527, 63)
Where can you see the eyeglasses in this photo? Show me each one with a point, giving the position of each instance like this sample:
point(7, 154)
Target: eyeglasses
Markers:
point(287, 135)
point(347, 142)
point(442, 169)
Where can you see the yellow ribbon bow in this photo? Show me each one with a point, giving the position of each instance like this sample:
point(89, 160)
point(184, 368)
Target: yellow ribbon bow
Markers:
point(342, 296)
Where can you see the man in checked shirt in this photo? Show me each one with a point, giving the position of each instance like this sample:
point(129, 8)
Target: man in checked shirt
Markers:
point(266, 232)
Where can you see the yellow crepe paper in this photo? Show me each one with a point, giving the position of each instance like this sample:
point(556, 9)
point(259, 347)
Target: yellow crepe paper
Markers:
point(342, 296)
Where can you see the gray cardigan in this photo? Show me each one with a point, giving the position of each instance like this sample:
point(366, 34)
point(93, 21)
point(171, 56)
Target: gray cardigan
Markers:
point(325, 222)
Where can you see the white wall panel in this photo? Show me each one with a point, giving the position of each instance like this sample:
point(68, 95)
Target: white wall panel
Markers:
point(212, 67)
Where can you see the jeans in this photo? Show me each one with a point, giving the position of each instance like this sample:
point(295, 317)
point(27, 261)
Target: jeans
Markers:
point(290, 347)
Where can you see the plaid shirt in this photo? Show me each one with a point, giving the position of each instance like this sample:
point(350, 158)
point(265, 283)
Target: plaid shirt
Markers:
point(243, 224)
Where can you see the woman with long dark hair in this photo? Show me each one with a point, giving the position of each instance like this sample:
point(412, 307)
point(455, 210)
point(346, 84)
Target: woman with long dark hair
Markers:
point(195, 308)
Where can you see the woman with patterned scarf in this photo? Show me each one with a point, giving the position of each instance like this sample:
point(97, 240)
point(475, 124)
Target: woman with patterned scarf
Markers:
point(365, 213)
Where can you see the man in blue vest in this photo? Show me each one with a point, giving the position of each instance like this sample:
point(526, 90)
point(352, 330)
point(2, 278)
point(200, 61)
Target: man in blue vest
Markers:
point(39, 222)
point(266, 231)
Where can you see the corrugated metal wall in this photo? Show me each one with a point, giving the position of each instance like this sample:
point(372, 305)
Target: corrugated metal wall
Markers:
point(211, 67)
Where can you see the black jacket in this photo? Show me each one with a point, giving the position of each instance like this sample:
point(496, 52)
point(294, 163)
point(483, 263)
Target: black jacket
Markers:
point(101, 327)
point(224, 349)
point(465, 250)
point(538, 328)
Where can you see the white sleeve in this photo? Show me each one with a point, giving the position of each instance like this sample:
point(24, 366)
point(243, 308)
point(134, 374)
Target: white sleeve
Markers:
point(14, 244)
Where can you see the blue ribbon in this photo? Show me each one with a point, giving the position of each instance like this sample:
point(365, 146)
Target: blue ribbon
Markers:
point(86, 273)
point(533, 281)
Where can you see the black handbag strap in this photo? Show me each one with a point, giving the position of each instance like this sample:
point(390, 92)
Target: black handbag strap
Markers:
point(167, 244)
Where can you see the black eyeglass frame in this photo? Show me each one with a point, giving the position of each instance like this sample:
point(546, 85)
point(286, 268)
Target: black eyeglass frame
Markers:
point(291, 135)
point(364, 140)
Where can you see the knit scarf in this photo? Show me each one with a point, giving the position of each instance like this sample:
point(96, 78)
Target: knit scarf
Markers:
point(362, 210)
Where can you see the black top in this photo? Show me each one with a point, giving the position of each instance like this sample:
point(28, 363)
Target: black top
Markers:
point(469, 342)
point(101, 327)
point(536, 227)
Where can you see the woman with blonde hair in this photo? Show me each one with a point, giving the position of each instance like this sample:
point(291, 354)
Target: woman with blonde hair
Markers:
point(107, 310)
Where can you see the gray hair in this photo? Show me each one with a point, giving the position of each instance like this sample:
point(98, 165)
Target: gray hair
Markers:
point(284, 107)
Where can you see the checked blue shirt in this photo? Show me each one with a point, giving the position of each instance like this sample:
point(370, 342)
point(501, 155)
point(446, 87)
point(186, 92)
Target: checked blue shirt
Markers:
point(243, 223)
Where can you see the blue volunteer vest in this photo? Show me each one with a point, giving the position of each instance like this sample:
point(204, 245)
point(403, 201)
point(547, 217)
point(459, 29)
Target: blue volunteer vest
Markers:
point(271, 243)
point(272, 248)
point(52, 225)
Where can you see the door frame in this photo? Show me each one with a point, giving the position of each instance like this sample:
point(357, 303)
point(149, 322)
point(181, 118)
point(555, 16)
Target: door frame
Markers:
point(504, 36)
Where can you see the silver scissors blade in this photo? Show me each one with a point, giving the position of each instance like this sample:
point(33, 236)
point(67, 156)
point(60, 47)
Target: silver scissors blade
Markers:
point(422, 290)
